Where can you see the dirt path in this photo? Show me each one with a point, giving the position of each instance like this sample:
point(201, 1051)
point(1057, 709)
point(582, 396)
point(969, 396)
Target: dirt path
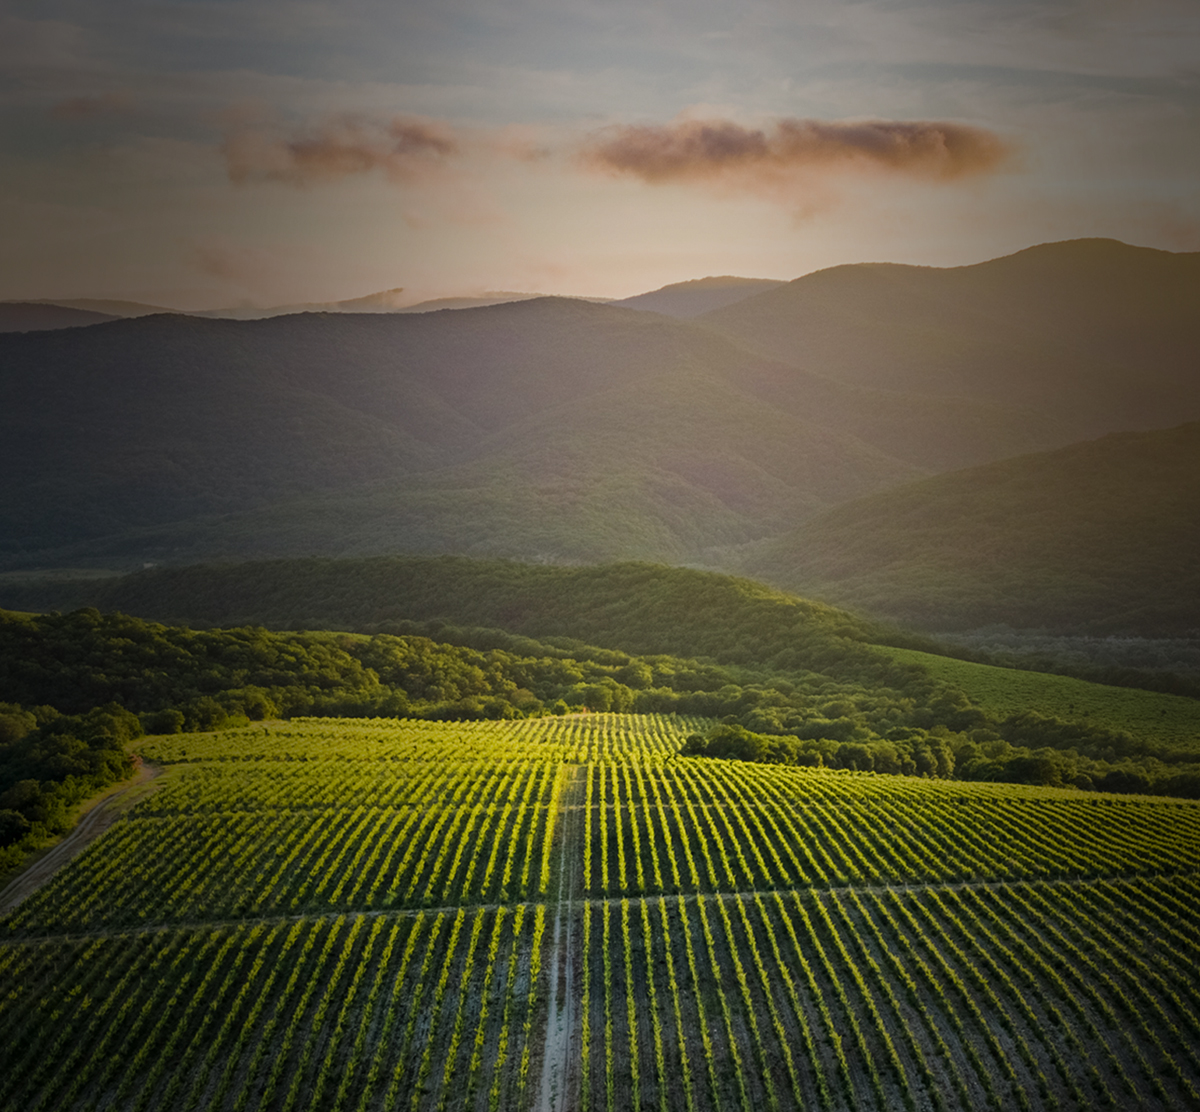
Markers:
point(554, 1094)
point(102, 814)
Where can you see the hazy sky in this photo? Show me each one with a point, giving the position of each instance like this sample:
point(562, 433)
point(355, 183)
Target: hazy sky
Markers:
point(210, 152)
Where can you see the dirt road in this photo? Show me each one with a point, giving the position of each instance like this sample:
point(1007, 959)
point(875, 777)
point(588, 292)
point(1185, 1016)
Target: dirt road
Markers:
point(102, 815)
point(555, 1092)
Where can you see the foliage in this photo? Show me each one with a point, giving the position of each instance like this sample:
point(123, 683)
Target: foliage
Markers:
point(184, 679)
point(1095, 538)
point(622, 637)
point(53, 766)
point(331, 913)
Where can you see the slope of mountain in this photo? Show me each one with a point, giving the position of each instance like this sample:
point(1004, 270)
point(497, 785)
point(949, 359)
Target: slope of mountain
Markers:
point(112, 307)
point(635, 607)
point(690, 299)
point(559, 429)
point(1099, 537)
point(1102, 334)
point(36, 316)
point(550, 428)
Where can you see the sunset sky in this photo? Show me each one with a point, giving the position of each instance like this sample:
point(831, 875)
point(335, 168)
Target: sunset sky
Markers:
point(202, 153)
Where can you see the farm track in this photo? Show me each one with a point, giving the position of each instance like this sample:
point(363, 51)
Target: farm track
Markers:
point(651, 900)
point(556, 1084)
point(102, 814)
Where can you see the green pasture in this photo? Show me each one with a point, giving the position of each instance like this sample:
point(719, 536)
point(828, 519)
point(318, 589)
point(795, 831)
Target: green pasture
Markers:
point(1169, 719)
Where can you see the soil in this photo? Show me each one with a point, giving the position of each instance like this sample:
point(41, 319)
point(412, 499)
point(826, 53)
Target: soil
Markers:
point(556, 1081)
point(98, 818)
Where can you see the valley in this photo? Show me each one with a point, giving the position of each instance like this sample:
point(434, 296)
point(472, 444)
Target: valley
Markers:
point(562, 430)
point(743, 695)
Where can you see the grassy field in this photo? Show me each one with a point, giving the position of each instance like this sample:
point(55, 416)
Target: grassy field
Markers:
point(1171, 720)
point(562, 913)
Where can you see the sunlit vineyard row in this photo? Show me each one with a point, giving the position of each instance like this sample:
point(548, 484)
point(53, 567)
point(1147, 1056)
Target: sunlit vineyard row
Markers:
point(339, 1012)
point(588, 737)
point(694, 825)
point(360, 915)
point(1025, 995)
point(252, 863)
point(355, 835)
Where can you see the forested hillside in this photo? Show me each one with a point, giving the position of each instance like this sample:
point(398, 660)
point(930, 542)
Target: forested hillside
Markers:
point(1097, 331)
point(797, 682)
point(561, 430)
point(554, 427)
point(1099, 537)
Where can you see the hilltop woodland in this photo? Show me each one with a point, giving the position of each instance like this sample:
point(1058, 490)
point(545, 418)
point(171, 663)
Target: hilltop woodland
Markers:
point(782, 679)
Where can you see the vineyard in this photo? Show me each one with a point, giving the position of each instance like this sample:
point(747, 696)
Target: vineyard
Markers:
point(562, 913)
point(1164, 720)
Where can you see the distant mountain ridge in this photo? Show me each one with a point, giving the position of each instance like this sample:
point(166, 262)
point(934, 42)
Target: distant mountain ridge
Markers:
point(561, 430)
point(548, 428)
point(683, 299)
point(1106, 332)
point(690, 299)
point(86, 310)
point(35, 316)
point(386, 301)
point(113, 307)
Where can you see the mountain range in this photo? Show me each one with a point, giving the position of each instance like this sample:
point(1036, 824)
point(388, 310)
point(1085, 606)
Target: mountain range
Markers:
point(563, 430)
point(45, 315)
point(680, 299)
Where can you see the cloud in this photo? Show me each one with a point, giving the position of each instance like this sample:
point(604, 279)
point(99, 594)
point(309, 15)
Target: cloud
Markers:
point(520, 143)
point(404, 148)
point(728, 154)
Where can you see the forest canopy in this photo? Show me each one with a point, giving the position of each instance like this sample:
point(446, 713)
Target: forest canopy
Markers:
point(805, 689)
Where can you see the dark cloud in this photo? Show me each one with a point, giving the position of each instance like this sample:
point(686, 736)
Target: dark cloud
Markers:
point(724, 152)
point(403, 148)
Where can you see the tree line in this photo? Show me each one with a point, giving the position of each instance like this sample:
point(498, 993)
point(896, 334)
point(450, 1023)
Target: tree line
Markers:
point(77, 688)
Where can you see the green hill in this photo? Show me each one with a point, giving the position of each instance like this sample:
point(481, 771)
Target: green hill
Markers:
point(557, 429)
point(622, 433)
point(1098, 333)
point(1099, 537)
point(1161, 719)
point(634, 607)
point(791, 665)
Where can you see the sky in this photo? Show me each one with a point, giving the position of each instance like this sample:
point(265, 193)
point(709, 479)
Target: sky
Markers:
point(210, 153)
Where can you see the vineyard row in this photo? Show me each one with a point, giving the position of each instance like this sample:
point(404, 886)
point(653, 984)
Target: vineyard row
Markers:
point(1035, 996)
